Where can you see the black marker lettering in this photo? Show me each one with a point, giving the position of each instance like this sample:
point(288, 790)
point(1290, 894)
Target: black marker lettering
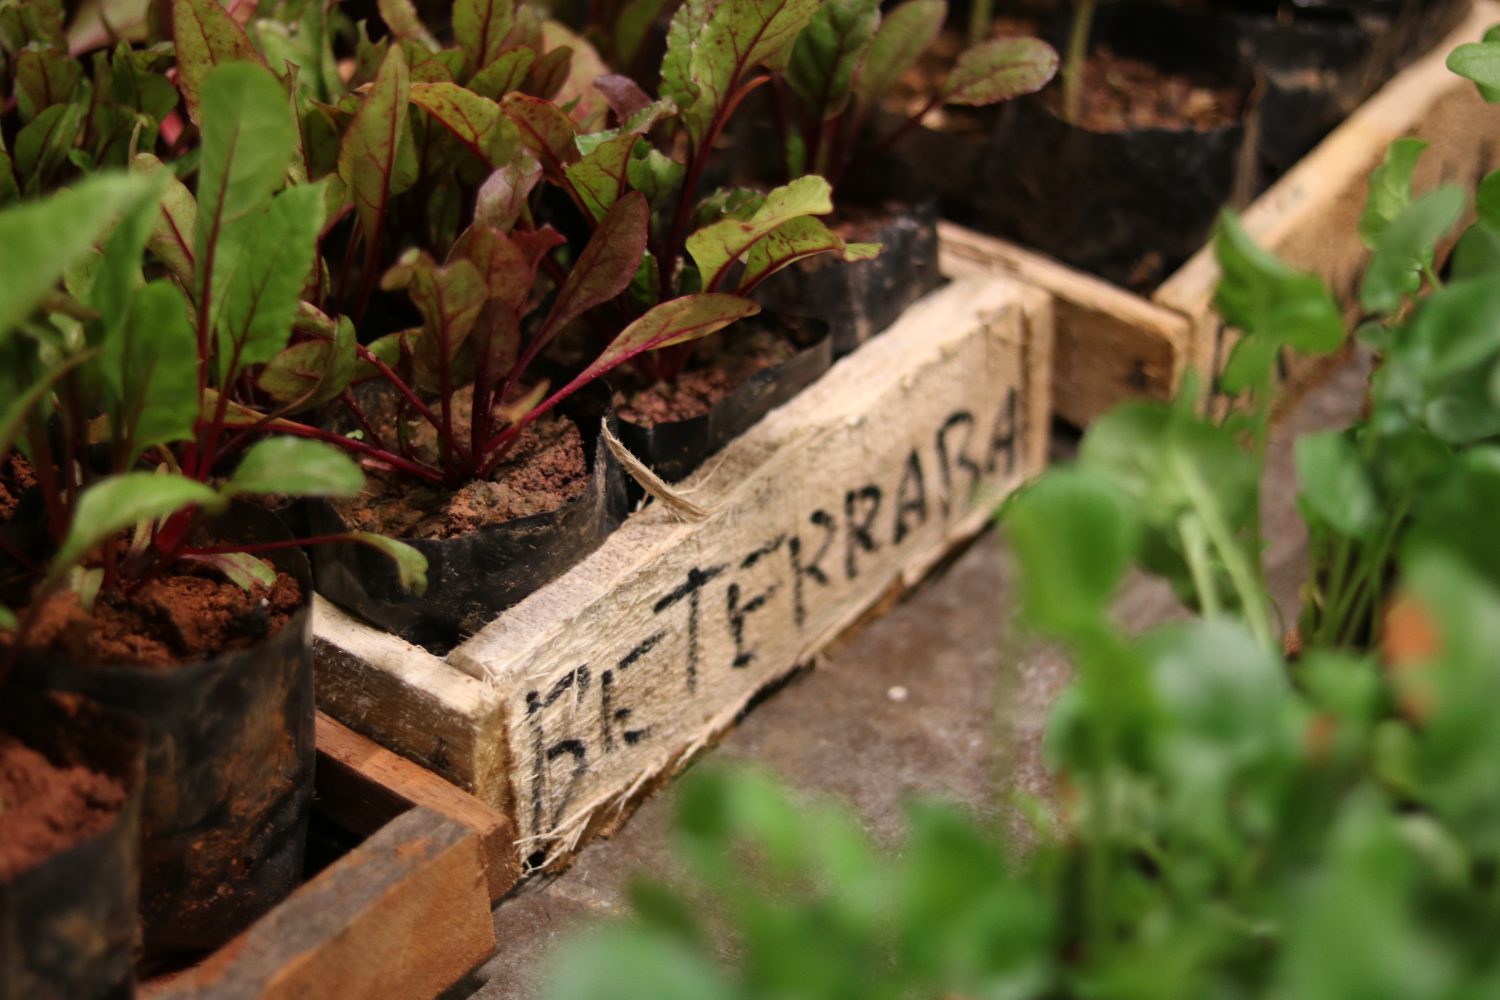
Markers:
point(801, 573)
point(859, 536)
point(959, 457)
point(911, 497)
point(697, 579)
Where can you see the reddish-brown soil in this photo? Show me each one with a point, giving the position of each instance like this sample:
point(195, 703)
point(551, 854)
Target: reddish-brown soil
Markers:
point(720, 364)
point(185, 617)
point(1124, 94)
point(16, 478)
point(45, 809)
point(545, 469)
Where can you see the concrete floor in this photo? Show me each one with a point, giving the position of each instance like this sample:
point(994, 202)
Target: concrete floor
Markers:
point(938, 698)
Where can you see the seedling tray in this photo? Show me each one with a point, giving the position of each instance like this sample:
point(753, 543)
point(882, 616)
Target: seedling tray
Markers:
point(1113, 344)
point(566, 707)
point(402, 916)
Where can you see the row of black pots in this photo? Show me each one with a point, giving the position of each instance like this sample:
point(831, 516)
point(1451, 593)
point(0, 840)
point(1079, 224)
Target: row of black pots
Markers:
point(1131, 206)
point(217, 757)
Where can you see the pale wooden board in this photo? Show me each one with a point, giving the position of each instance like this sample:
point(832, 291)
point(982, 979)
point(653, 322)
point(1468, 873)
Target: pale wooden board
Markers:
point(363, 786)
point(1310, 217)
point(402, 917)
point(613, 674)
point(1111, 344)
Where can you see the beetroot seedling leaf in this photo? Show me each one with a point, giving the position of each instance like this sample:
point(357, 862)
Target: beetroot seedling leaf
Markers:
point(505, 74)
point(172, 232)
point(794, 241)
point(624, 95)
point(481, 27)
point(502, 197)
point(545, 131)
point(904, 34)
point(119, 502)
point(405, 23)
point(44, 76)
point(607, 263)
point(505, 268)
point(411, 565)
point(601, 175)
point(450, 298)
point(295, 467)
point(370, 163)
point(675, 321)
point(206, 36)
point(150, 365)
point(715, 247)
point(249, 134)
point(239, 568)
point(475, 121)
point(828, 52)
point(1390, 188)
point(1000, 70)
point(313, 372)
point(260, 286)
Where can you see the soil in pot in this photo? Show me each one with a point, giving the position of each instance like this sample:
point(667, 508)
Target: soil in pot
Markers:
point(220, 681)
point(858, 300)
point(488, 544)
point(730, 381)
point(70, 784)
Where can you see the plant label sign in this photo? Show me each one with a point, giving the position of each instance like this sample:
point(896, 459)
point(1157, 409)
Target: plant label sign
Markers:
point(651, 647)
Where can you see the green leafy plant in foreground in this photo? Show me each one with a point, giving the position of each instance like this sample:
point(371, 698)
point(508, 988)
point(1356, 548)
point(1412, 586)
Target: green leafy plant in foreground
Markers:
point(1228, 821)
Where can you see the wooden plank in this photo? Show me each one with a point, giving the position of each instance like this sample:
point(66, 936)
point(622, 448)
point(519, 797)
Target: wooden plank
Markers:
point(402, 917)
point(611, 676)
point(1111, 344)
point(363, 786)
point(1310, 217)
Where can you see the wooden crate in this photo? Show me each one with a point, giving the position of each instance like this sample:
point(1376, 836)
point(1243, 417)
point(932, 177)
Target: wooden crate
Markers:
point(1113, 344)
point(403, 916)
point(571, 703)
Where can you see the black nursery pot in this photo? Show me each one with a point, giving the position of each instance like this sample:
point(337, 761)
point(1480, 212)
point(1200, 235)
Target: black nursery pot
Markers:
point(1317, 69)
point(1129, 206)
point(673, 449)
point(229, 767)
point(473, 577)
point(68, 923)
point(858, 300)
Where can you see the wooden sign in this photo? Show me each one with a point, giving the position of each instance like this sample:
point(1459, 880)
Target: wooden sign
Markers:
point(568, 704)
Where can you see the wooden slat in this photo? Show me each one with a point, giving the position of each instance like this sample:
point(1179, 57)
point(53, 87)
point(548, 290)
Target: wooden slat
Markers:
point(402, 917)
point(1110, 344)
point(611, 676)
point(1310, 217)
point(362, 786)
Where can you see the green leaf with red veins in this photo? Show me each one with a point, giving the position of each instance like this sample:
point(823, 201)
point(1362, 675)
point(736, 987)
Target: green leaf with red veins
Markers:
point(480, 28)
point(545, 131)
point(625, 96)
point(249, 134)
point(548, 73)
point(739, 35)
point(449, 298)
point(504, 267)
point(601, 176)
point(405, 23)
point(475, 121)
point(42, 146)
point(120, 502)
point(504, 75)
point(675, 321)
point(714, 248)
point(259, 286)
point(1000, 70)
point(796, 240)
point(369, 160)
point(314, 371)
point(688, 24)
point(607, 263)
point(828, 52)
point(205, 36)
point(426, 66)
point(44, 76)
point(411, 565)
point(586, 105)
point(171, 238)
point(239, 568)
point(150, 364)
point(497, 340)
point(502, 196)
point(904, 34)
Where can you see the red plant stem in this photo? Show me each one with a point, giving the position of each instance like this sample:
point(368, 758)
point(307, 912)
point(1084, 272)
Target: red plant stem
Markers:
point(46, 475)
point(357, 447)
point(689, 195)
point(907, 125)
point(358, 413)
point(209, 454)
point(253, 548)
point(400, 386)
